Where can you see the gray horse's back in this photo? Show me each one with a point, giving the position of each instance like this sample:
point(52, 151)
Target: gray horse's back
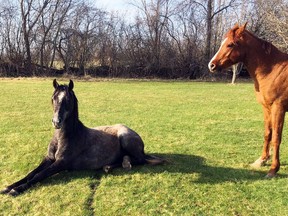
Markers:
point(110, 144)
point(118, 130)
point(126, 135)
point(131, 143)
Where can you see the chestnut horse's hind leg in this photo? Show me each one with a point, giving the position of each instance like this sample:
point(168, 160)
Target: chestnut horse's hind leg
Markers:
point(278, 115)
point(46, 162)
point(267, 139)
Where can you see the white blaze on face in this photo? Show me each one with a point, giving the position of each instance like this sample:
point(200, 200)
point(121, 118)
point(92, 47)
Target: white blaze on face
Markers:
point(61, 96)
point(209, 64)
point(58, 116)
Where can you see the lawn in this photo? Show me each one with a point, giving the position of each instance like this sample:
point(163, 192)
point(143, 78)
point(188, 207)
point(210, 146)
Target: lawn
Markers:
point(209, 133)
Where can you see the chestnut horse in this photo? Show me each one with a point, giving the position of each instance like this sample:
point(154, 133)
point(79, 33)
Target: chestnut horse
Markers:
point(76, 147)
point(268, 68)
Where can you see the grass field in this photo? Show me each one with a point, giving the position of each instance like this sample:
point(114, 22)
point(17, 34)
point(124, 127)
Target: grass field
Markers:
point(209, 133)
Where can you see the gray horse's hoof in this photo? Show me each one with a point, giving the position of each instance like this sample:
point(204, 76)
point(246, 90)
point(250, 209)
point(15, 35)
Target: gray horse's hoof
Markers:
point(5, 191)
point(107, 169)
point(126, 164)
point(13, 193)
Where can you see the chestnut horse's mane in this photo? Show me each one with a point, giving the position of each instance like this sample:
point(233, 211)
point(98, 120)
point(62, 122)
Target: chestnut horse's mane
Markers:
point(235, 36)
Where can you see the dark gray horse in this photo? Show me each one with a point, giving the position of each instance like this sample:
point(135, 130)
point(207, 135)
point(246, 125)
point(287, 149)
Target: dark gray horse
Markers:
point(76, 147)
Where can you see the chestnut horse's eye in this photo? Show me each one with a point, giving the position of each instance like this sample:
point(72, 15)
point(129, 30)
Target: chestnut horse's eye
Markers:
point(230, 45)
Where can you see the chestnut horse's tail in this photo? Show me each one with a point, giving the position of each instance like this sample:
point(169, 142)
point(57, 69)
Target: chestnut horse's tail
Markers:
point(153, 160)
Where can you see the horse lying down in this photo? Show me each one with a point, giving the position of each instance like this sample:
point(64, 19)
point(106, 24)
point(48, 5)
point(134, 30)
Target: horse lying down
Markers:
point(76, 147)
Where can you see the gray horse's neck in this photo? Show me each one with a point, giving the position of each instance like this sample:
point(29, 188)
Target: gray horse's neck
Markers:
point(71, 128)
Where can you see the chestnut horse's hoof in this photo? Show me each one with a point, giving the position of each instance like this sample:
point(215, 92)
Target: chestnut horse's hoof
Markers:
point(270, 175)
point(258, 163)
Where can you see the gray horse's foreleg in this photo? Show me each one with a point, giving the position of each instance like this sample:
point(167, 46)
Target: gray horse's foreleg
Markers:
point(46, 162)
point(54, 168)
point(109, 168)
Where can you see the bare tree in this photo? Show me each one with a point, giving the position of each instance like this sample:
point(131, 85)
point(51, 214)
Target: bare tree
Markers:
point(30, 14)
point(212, 10)
point(154, 21)
point(12, 53)
point(274, 27)
point(168, 38)
point(49, 24)
point(80, 37)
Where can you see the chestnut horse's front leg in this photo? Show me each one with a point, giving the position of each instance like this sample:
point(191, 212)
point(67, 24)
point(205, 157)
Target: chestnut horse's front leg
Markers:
point(46, 162)
point(278, 116)
point(267, 139)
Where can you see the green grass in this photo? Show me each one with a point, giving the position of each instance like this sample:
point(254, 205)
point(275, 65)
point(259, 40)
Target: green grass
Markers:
point(209, 133)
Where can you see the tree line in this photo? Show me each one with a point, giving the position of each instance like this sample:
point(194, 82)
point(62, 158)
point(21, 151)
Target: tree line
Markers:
point(165, 39)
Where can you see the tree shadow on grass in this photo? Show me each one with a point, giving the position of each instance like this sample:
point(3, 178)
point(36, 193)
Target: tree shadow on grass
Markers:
point(189, 164)
point(177, 163)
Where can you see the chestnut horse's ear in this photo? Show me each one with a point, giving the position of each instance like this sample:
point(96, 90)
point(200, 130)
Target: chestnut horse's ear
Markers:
point(55, 84)
point(239, 32)
point(236, 26)
point(244, 26)
point(71, 85)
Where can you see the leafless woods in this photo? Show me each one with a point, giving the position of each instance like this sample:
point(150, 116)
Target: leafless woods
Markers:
point(166, 38)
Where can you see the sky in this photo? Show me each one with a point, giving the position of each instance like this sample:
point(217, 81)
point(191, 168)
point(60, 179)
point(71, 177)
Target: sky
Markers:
point(113, 4)
point(120, 6)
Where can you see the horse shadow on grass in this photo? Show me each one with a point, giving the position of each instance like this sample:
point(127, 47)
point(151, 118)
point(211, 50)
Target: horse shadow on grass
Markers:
point(176, 163)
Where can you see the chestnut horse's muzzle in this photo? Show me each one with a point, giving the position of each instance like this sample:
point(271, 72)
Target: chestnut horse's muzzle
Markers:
point(212, 67)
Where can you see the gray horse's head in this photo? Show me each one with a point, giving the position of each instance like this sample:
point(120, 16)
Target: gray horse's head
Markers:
point(64, 103)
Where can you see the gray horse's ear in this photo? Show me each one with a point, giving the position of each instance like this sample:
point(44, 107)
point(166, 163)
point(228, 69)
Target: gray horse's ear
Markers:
point(55, 84)
point(71, 85)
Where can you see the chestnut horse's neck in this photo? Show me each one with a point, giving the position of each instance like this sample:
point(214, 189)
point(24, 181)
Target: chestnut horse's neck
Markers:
point(261, 56)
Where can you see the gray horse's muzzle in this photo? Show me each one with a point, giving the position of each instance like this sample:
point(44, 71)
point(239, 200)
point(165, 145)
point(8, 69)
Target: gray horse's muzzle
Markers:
point(57, 122)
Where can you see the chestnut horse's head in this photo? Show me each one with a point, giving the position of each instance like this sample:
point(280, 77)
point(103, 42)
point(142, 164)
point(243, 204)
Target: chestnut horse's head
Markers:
point(231, 50)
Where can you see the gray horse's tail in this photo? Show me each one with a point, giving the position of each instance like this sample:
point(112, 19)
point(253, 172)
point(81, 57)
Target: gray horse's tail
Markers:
point(153, 160)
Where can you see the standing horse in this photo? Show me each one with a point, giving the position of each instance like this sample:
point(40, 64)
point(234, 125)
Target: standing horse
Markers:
point(76, 147)
point(268, 67)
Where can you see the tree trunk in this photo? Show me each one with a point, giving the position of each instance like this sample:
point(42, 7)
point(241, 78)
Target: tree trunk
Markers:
point(209, 30)
point(28, 60)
